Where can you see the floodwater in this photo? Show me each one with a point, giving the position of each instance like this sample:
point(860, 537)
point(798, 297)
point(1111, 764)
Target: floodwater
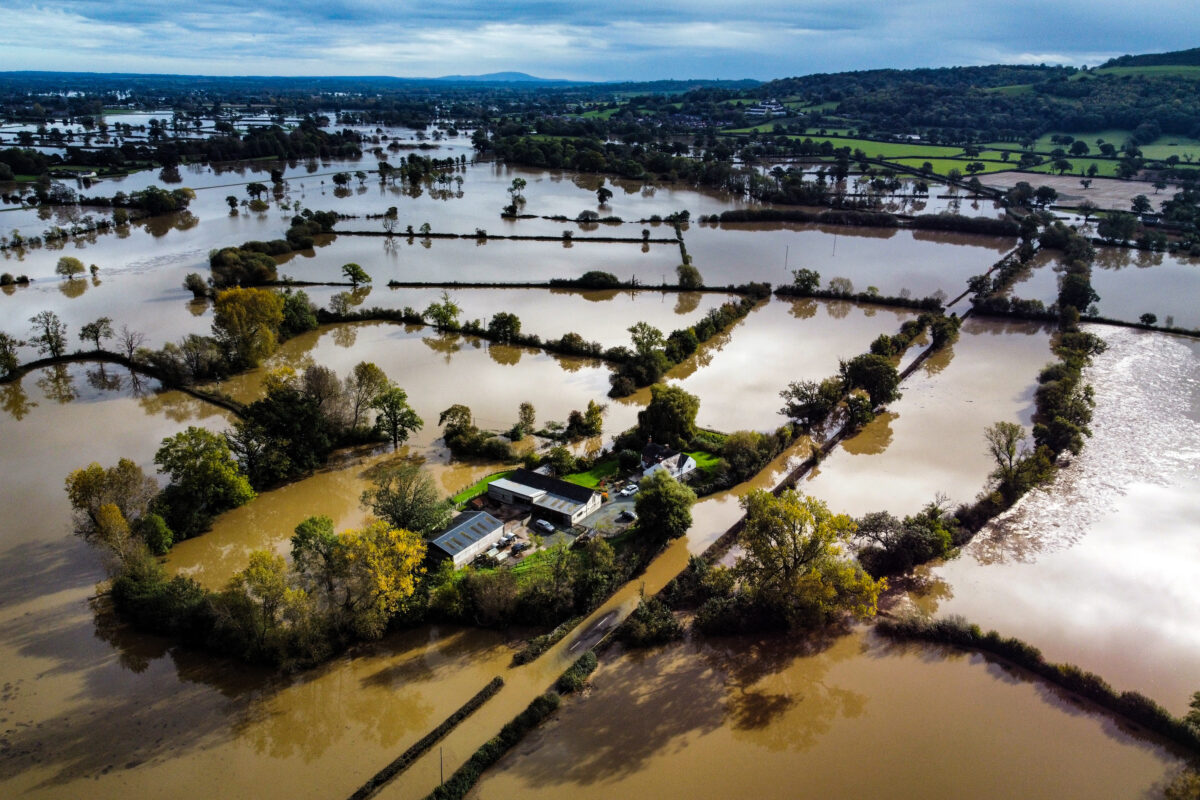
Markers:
point(894, 261)
point(854, 717)
point(90, 708)
point(738, 376)
point(1135, 282)
point(1130, 283)
point(438, 370)
point(931, 440)
point(483, 261)
point(598, 316)
point(1098, 569)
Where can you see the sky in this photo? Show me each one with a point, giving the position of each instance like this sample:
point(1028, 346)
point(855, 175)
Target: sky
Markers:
point(614, 40)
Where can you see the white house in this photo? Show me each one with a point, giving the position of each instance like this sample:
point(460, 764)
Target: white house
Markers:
point(657, 458)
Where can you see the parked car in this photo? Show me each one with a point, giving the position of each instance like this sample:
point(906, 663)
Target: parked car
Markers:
point(519, 547)
point(543, 526)
point(629, 491)
point(628, 515)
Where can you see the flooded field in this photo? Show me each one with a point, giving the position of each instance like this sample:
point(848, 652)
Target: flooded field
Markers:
point(1098, 568)
point(1132, 283)
point(855, 717)
point(893, 261)
point(738, 376)
point(598, 316)
point(931, 440)
point(91, 708)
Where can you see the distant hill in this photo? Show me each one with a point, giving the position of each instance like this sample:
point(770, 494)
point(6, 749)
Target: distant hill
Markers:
point(500, 77)
point(1176, 58)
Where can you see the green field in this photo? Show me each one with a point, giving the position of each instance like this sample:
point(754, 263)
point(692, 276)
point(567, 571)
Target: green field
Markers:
point(1018, 88)
point(705, 462)
point(478, 488)
point(597, 113)
point(1105, 167)
point(762, 127)
point(889, 150)
point(1158, 149)
point(1160, 69)
point(942, 166)
point(591, 479)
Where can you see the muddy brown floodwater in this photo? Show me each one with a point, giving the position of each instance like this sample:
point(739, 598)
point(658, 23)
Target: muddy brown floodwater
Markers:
point(89, 708)
point(853, 717)
point(1098, 569)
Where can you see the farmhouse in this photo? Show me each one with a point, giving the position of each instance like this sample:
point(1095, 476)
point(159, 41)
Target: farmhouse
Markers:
point(560, 501)
point(469, 534)
point(656, 458)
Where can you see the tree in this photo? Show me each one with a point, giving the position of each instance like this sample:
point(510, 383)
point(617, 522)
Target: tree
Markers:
point(526, 417)
point(232, 202)
point(1148, 319)
point(383, 565)
point(664, 507)
point(125, 487)
point(69, 267)
point(593, 419)
point(205, 478)
point(49, 333)
point(366, 382)
point(1087, 208)
point(841, 286)
point(809, 402)
point(504, 327)
point(396, 417)
point(406, 497)
point(646, 338)
point(95, 331)
point(1005, 442)
point(806, 281)
point(263, 588)
point(355, 274)
point(1045, 195)
point(793, 564)
point(256, 190)
point(1141, 204)
point(670, 417)
point(8, 354)
point(445, 313)
point(517, 189)
point(1118, 226)
point(195, 284)
point(130, 341)
point(247, 322)
point(603, 194)
point(874, 374)
point(689, 276)
point(1079, 148)
point(299, 314)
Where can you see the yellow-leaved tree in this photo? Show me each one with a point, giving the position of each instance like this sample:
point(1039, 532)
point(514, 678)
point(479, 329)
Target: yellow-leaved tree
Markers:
point(383, 565)
point(794, 563)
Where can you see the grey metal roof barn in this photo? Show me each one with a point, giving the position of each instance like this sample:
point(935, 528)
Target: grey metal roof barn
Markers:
point(470, 533)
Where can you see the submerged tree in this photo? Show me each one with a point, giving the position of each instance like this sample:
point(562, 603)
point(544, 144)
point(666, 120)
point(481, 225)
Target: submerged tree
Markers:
point(406, 497)
point(794, 565)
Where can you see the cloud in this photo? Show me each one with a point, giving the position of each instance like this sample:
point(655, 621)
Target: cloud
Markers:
point(632, 40)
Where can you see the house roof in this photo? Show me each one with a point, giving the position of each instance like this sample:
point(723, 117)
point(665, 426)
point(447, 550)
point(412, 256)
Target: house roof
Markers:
point(571, 491)
point(654, 453)
point(466, 529)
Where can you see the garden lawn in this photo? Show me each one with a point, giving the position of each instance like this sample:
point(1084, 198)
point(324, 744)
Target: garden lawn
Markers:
point(478, 488)
point(591, 479)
